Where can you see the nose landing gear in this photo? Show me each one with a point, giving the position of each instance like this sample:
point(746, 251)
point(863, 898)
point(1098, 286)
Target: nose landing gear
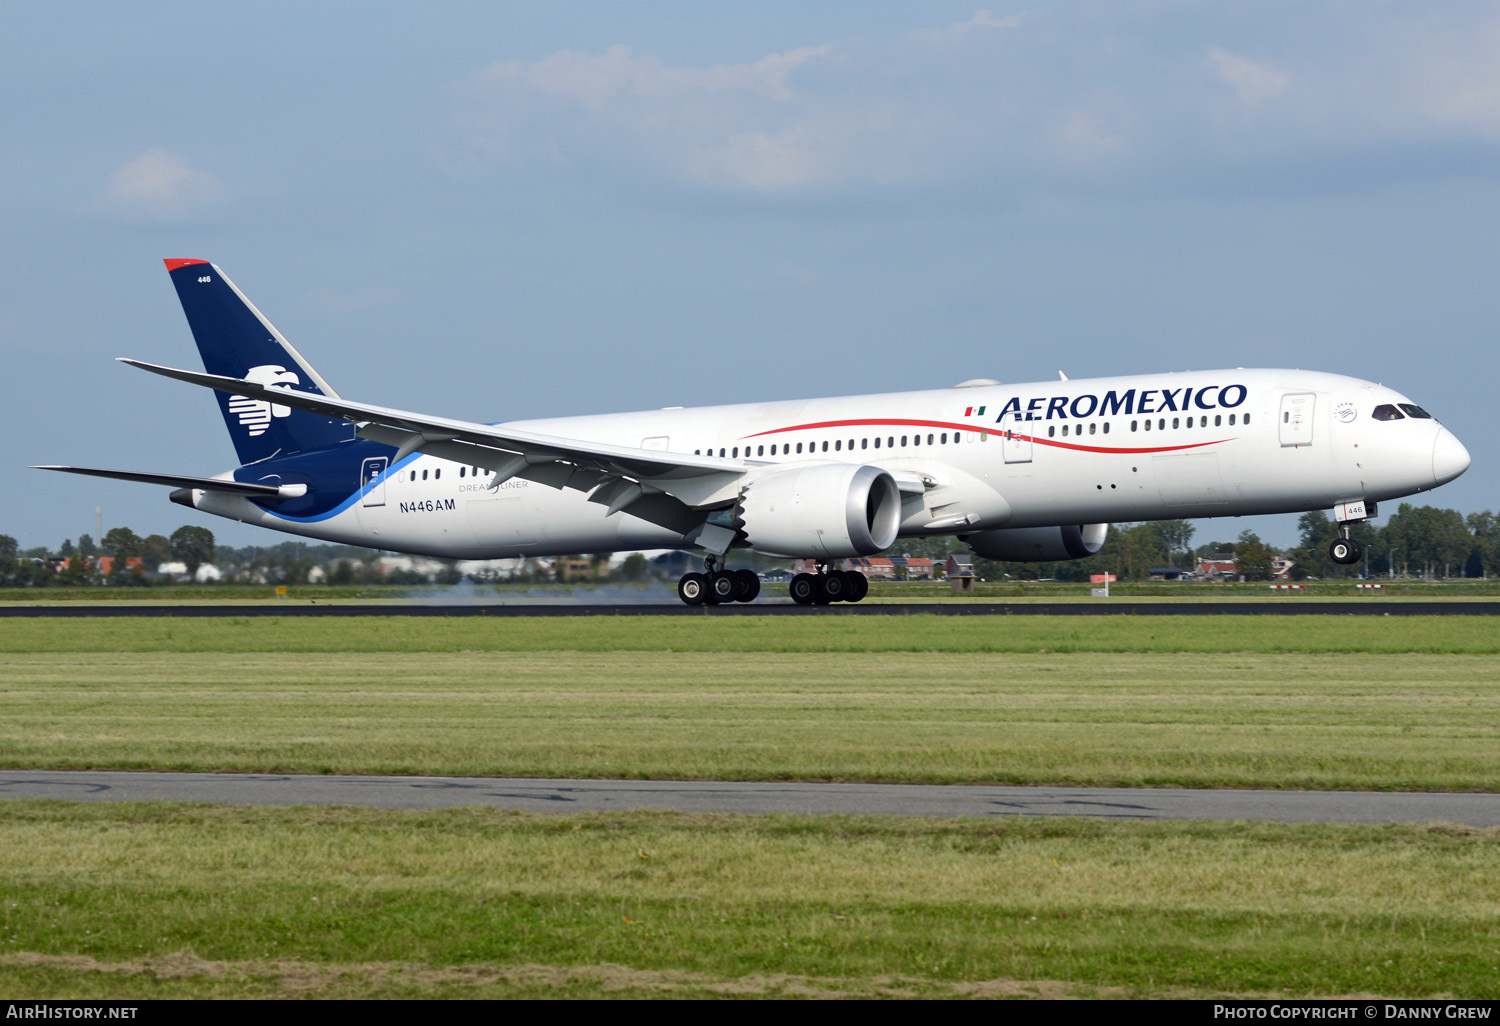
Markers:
point(1344, 550)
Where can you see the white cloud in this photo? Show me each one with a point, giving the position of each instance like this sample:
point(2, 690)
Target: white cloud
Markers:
point(592, 81)
point(159, 186)
point(1253, 83)
point(1454, 79)
point(740, 126)
point(1093, 95)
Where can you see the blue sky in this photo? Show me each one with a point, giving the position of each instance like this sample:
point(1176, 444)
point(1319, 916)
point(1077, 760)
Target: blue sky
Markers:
point(494, 211)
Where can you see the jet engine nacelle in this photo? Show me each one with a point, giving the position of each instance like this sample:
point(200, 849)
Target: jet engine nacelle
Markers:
point(826, 511)
point(1039, 544)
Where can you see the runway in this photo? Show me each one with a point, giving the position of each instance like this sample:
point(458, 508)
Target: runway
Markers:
point(535, 795)
point(1109, 607)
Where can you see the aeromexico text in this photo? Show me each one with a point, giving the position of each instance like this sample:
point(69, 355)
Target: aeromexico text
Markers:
point(1130, 401)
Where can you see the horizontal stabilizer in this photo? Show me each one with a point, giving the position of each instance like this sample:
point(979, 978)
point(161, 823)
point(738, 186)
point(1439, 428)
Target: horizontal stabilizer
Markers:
point(210, 484)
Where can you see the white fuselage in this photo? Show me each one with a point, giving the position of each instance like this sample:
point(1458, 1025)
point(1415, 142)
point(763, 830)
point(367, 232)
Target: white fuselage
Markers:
point(1147, 447)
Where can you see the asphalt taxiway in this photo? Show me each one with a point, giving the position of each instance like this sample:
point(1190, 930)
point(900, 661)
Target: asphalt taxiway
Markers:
point(537, 795)
point(1111, 607)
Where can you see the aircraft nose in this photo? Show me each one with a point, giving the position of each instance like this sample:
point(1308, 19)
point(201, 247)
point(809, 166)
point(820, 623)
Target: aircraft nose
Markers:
point(1449, 457)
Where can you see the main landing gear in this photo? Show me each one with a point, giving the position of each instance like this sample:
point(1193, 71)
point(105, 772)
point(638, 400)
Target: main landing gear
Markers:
point(718, 584)
point(827, 586)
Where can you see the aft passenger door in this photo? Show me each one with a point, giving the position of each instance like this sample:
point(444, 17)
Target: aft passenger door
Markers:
point(372, 480)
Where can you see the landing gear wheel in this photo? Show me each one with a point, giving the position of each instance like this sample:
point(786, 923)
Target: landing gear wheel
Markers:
point(747, 585)
point(859, 585)
point(836, 587)
point(804, 589)
point(693, 589)
point(721, 587)
point(1345, 551)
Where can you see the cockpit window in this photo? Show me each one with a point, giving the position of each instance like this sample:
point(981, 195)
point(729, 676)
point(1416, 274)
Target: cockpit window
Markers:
point(1385, 411)
point(1416, 411)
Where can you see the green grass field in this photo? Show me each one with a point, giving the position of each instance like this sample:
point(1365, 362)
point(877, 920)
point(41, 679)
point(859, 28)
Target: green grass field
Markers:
point(1181, 701)
point(168, 900)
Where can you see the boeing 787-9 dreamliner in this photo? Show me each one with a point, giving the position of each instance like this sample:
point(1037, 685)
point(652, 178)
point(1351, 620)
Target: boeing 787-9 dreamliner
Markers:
point(1028, 472)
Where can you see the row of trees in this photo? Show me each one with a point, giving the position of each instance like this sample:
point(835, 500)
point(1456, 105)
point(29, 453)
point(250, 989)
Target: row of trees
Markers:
point(132, 557)
point(1416, 541)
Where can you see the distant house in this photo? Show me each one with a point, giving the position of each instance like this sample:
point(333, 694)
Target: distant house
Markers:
point(107, 564)
point(894, 568)
point(1220, 564)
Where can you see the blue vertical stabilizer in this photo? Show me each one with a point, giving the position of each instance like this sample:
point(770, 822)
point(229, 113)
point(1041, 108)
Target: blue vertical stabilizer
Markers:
point(237, 341)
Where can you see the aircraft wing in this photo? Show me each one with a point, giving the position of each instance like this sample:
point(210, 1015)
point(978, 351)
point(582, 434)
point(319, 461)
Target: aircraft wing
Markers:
point(620, 477)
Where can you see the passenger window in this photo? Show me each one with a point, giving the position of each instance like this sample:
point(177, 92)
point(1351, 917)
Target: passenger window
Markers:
point(1132, 425)
point(825, 446)
point(799, 448)
point(1218, 419)
point(1174, 423)
point(929, 439)
point(877, 443)
point(1161, 425)
point(864, 443)
point(1051, 430)
point(1231, 420)
point(424, 475)
point(1091, 428)
point(945, 437)
point(1247, 418)
point(1147, 425)
point(1106, 427)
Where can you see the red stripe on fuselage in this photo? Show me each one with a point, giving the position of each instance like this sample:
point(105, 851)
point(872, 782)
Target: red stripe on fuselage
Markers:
point(895, 422)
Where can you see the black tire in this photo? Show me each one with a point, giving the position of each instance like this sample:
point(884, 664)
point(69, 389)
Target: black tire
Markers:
point(859, 585)
point(1345, 551)
point(804, 589)
point(821, 594)
point(721, 587)
point(693, 589)
point(747, 585)
point(835, 587)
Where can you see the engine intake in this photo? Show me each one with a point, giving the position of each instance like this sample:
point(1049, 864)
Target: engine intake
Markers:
point(1039, 544)
point(825, 511)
